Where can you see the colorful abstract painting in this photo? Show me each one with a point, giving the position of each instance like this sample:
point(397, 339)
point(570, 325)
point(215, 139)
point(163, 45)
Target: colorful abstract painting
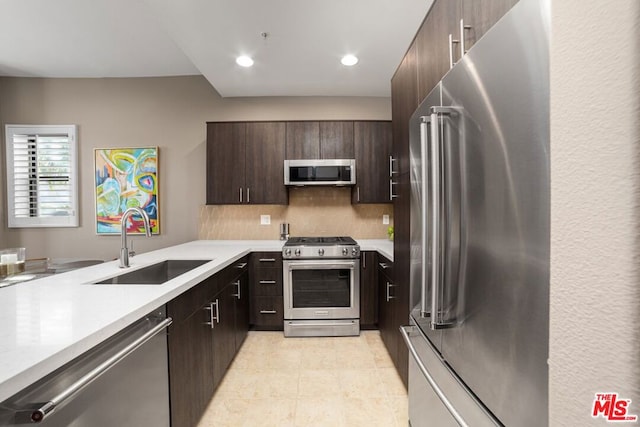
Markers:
point(124, 178)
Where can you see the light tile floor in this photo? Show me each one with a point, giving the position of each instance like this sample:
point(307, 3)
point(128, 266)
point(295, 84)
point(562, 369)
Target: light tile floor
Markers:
point(277, 381)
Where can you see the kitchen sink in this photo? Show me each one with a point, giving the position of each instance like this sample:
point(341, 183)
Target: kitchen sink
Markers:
point(155, 274)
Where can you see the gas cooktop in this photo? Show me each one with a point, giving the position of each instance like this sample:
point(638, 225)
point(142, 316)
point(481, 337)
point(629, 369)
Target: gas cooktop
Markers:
point(320, 247)
point(320, 241)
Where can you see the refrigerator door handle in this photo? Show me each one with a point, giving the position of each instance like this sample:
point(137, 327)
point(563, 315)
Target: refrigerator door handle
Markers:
point(435, 218)
point(424, 144)
point(437, 165)
point(405, 331)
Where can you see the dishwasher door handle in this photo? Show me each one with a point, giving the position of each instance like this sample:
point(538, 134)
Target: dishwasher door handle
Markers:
point(41, 413)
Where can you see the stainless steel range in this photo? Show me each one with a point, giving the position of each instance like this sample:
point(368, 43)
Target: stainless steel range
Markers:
point(321, 286)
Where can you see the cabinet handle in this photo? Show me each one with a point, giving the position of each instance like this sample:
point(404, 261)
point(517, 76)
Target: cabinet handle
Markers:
point(452, 41)
point(389, 296)
point(240, 194)
point(391, 195)
point(391, 171)
point(463, 27)
point(217, 316)
point(241, 265)
point(358, 193)
point(237, 283)
point(268, 312)
point(267, 282)
point(364, 260)
point(211, 316)
point(248, 195)
point(267, 260)
point(383, 265)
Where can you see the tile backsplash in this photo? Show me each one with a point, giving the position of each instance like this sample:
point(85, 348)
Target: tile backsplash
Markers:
point(312, 211)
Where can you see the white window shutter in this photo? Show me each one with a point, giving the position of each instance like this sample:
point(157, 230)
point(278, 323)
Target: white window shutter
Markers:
point(42, 176)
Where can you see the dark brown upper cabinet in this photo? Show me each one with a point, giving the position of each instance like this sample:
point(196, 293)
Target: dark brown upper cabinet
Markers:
point(320, 140)
point(449, 30)
point(303, 140)
point(264, 168)
point(480, 15)
point(225, 162)
point(432, 44)
point(336, 140)
point(404, 101)
point(372, 143)
point(245, 163)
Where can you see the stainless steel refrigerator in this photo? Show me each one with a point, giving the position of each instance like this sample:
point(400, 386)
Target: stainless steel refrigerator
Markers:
point(479, 149)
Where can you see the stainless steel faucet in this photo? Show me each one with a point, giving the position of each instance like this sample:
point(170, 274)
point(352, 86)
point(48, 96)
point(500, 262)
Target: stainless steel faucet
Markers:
point(124, 250)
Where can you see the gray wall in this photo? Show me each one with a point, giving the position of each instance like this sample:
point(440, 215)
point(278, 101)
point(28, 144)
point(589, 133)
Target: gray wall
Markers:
point(166, 112)
point(595, 199)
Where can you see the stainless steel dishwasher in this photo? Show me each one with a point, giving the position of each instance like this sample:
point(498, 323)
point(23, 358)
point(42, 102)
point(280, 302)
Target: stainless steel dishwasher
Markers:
point(120, 382)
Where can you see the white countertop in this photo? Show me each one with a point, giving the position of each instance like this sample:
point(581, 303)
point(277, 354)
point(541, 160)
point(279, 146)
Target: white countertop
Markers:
point(47, 322)
point(382, 246)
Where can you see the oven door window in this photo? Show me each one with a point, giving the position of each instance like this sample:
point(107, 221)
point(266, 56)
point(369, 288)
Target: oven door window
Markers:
point(321, 288)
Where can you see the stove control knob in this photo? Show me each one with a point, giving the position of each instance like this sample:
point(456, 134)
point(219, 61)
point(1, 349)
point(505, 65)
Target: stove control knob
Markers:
point(345, 251)
point(354, 252)
point(320, 251)
point(287, 252)
point(297, 252)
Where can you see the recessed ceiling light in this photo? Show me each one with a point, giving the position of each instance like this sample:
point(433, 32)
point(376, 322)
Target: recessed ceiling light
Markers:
point(349, 60)
point(244, 61)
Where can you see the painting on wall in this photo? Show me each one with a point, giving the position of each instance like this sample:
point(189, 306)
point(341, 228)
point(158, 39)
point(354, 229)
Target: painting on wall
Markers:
point(124, 178)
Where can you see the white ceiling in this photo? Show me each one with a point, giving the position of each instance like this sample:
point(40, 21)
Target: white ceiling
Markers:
point(134, 38)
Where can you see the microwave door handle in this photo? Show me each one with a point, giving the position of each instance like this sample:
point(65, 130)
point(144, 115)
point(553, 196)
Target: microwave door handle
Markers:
point(424, 193)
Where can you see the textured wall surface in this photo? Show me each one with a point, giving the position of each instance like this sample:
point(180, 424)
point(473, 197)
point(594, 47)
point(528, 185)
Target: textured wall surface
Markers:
point(595, 207)
point(167, 112)
point(311, 212)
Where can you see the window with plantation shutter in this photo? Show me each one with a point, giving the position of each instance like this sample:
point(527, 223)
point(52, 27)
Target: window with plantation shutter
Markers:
point(41, 176)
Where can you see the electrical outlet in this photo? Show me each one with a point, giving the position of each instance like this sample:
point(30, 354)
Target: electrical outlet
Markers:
point(385, 219)
point(265, 219)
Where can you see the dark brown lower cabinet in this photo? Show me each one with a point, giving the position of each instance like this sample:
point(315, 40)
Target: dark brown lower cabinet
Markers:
point(242, 309)
point(368, 290)
point(190, 369)
point(265, 289)
point(393, 312)
point(223, 331)
point(267, 313)
point(230, 309)
point(402, 267)
point(387, 309)
point(210, 324)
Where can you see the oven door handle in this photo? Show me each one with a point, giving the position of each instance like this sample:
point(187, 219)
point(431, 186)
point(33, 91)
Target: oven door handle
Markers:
point(318, 265)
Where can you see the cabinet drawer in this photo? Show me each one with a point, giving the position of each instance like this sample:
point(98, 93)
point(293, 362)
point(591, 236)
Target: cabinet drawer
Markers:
point(267, 312)
point(267, 259)
point(232, 272)
point(385, 266)
point(267, 282)
point(192, 300)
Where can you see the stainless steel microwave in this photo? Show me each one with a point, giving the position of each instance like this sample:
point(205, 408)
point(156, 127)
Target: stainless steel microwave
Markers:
point(337, 172)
